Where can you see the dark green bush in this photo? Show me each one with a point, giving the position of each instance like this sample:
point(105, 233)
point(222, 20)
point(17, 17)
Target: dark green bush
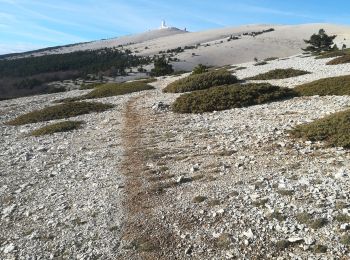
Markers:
point(319, 42)
point(57, 127)
point(201, 81)
point(112, 89)
point(161, 67)
point(116, 89)
point(333, 129)
point(61, 111)
point(325, 87)
point(199, 69)
point(279, 74)
point(232, 96)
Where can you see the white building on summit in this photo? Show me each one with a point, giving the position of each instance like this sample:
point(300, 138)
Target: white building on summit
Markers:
point(163, 26)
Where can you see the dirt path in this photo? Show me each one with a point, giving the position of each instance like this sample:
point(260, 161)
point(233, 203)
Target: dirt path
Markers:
point(144, 236)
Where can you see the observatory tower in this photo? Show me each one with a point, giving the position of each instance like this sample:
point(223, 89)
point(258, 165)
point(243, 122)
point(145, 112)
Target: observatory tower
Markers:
point(163, 25)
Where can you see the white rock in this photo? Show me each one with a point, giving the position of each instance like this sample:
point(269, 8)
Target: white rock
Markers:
point(8, 210)
point(9, 248)
point(249, 234)
point(295, 239)
point(342, 173)
point(194, 168)
point(344, 226)
point(309, 241)
point(180, 179)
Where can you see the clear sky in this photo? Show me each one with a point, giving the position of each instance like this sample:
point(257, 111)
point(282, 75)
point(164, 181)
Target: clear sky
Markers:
point(32, 24)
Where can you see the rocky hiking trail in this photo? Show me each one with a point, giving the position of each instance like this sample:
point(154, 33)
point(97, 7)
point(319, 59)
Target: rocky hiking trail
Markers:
point(144, 235)
point(141, 182)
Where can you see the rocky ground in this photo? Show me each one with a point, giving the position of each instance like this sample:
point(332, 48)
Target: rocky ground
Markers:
point(140, 182)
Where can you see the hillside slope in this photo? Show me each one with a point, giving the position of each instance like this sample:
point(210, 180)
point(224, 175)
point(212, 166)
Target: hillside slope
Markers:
point(214, 47)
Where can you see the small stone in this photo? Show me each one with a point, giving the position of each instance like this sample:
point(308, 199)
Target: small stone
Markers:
point(180, 179)
point(229, 255)
point(221, 211)
point(295, 239)
point(344, 226)
point(309, 241)
point(342, 173)
point(8, 210)
point(189, 250)
point(249, 234)
point(194, 168)
point(27, 157)
point(9, 248)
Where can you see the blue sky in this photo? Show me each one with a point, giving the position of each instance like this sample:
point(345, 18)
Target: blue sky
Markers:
point(32, 24)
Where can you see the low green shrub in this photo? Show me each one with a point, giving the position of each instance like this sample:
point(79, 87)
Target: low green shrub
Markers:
point(116, 89)
point(333, 129)
point(340, 60)
point(333, 54)
point(327, 86)
point(199, 69)
point(271, 59)
point(90, 86)
point(61, 111)
point(240, 68)
point(201, 81)
point(112, 89)
point(279, 74)
point(231, 96)
point(57, 127)
point(260, 63)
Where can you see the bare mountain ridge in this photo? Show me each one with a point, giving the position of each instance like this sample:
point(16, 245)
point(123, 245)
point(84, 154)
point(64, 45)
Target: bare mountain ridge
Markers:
point(214, 47)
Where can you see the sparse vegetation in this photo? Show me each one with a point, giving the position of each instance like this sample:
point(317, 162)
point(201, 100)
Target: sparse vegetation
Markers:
point(314, 223)
point(201, 81)
point(333, 54)
point(277, 215)
point(232, 96)
point(343, 218)
point(320, 249)
point(327, 86)
point(260, 203)
point(223, 241)
point(282, 244)
point(333, 129)
point(340, 60)
point(285, 192)
point(61, 111)
point(304, 218)
point(90, 86)
point(318, 223)
point(260, 63)
point(240, 68)
point(57, 127)
point(271, 59)
point(345, 240)
point(199, 199)
point(279, 74)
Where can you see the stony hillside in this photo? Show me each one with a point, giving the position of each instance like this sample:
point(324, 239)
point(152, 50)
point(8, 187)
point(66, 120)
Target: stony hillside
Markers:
point(139, 181)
